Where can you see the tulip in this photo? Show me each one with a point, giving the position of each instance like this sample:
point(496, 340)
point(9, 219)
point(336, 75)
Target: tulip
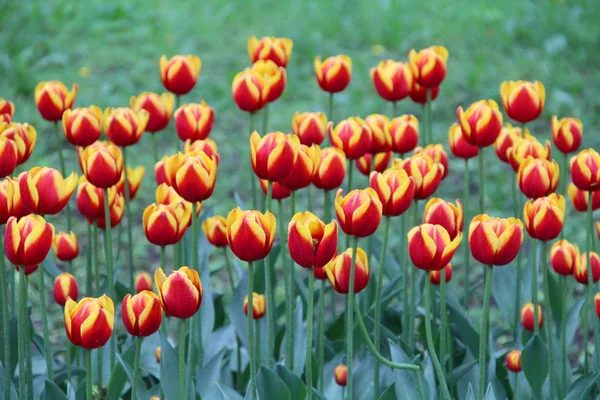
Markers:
point(381, 140)
point(143, 281)
point(162, 225)
point(330, 168)
point(392, 80)
point(8, 156)
point(207, 146)
point(509, 136)
point(142, 313)
point(90, 199)
point(259, 305)
point(527, 316)
point(180, 73)
point(418, 93)
point(45, 191)
point(273, 155)
point(65, 246)
point(7, 107)
point(459, 145)
point(65, 287)
point(194, 121)
point(404, 131)
point(564, 257)
point(341, 375)
point(192, 175)
point(527, 147)
point(117, 210)
point(395, 190)
point(310, 127)
point(123, 126)
point(157, 356)
point(585, 170)
point(523, 101)
point(180, 293)
point(247, 90)
point(24, 136)
point(6, 199)
point(426, 173)
point(278, 190)
point(481, 123)
point(52, 98)
point(311, 242)
point(429, 65)
point(566, 134)
point(544, 217)
point(102, 164)
point(580, 272)
point(274, 79)
point(373, 162)
point(538, 177)
point(353, 136)
point(448, 215)
point(134, 180)
point(438, 155)
point(430, 246)
point(215, 230)
point(435, 277)
point(338, 271)
point(27, 240)
point(513, 361)
point(580, 198)
point(333, 74)
point(158, 106)
point(495, 241)
point(166, 195)
point(359, 212)
point(89, 323)
point(277, 50)
point(250, 234)
point(82, 126)
point(302, 170)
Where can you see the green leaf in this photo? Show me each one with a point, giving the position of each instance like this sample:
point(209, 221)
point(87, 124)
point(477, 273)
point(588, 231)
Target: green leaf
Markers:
point(392, 267)
point(363, 378)
point(207, 310)
point(462, 327)
point(52, 392)
point(470, 393)
point(533, 361)
point(556, 300)
point(489, 393)
point(299, 339)
point(118, 375)
point(405, 380)
point(293, 383)
point(389, 393)
point(13, 391)
point(211, 372)
point(142, 392)
point(170, 367)
point(573, 319)
point(219, 392)
point(50, 267)
point(13, 335)
point(582, 386)
point(270, 386)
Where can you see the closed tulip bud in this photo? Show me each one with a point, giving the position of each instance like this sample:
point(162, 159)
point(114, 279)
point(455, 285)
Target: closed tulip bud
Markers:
point(207, 146)
point(8, 156)
point(392, 80)
point(333, 74)
point(567, 134)
point(24, 136)
point(250, 234)
point(180, 293)
point(495, 241)
point(527, 147)
point(274, 79)
point(277, 50)
point(273, 155)
point(513, 361)
point(7, 107)
point(544, 217)
point(65, 287)
point(90, 199)
point(404, 131)
point(564, 257)
point(528, 318)
point(16, 207)
point(134, 180)
point(523, 101)
point(320, 273)
point(338, 271)
point(353, 136)
point(330, 168)
point(141, 313)
point(429, 65)
point(381, 140)
point(341, 375)
point(180, 73)
point(52, 98)
point(6, 199)
point(430, 246)
point(395, 189)
point(158, 107)
point(373, 162)
point(278, 190)
point(89, 323)
point(65, 246)
point(117, 210)
point(247, 90)
point(27, 240)
point(585, 170)
point(459, 145)
point(158, 357)
point(194, 121)
point(418, 93)
point(302, 171)
point(102, 164)
point(45, 191)
point(215, 230)
point(192, 175)
point(581, 273)
point(143, 281)
point(310, 127)
point(162, 225)
point(82, 126)
point(311, 242)
point(580, 198)
point(435, 277)
point(538, 177)
point(509, 136)
point(427, 173)
point(481, 123)
point(446, 214)
point(123, 126)
point(359, 212)
point(597, 303)
point(259, 305)
point(437, 154)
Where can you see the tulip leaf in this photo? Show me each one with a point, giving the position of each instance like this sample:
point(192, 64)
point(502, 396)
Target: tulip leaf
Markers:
point(169, 360)
point(206, 315)
point(13, 340)
point(489, 393)
point(556, 300)
point(270, 386)
point(235, 309)
point(52, 392)
point(389, 393)
point(118, 375)
point(461, 326)
point(299, 339)
point(13, 391)
point(293, 383)
point(211, 372)
point(142, 392)
point(581, 388)
point(533, 361)
point(470, 393)
point(50, 267)
point(363, 378)
point(392, 267)
point(405, 379)
point(573, 319)
point(217, 391)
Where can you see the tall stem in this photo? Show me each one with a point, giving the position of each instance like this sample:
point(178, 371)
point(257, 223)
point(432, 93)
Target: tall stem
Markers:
point(430, 345)
point(394, 109)
point(413, 293)
point(309, 333)
point(549, 334)
point(271, 309)
point(516, 207)
point(89, 278)
point(287, 272)
point(590, 281)
point(128, 215)
point(177, 254)
point(136, 366)
point(252, 176)
point(47, 346)
point(191, 352)
point(109, 265)
point(378, 291)
point(232, 285)
point(5, 323)
point(265, 118)
point(88, 375)
point(563, 335)
point(154, 147)
point(350, 175)
point(198, 317)
point(424, 114)
point(63, 170)
point(182, 329)
point(95, 255)
point(481, 182)
point(329, 117)
point(28, 340)
point(483, 339)
point(251, 330)
point(22, 333)
point(290, 285)
point(309, 198)
point(429, 116)
point(321, 344)
point(350, 322)
point(534, 288)
point(467, 255)
point(444, 319)
point(405, 273)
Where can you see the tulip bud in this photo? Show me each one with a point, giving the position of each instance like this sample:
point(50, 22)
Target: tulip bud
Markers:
point(430, 246)
point(528, 318)
point(333, 74)
point(338, 271)
point(7, 108)
point(404, 131)
point(215, 230)
point(207, 146)
point(509, 136)
point(194, 121)
point(585, 170)
point(52, 98)
point(341, 375)
point(123, 126)
point(495, 241)
point(538, 177)
point(180, 73)
point(89, 323)
point(134, 180)
point(418, 93)
point(353, 136)
point(27, 240)
point(259, 305)
point(312, 244)
point(247, 90)
point(309, 127)
point(564, 257)
point(302, 170)
point(580, 272)
point(523, 101)
point(65, 246)
point(117, 210)
point(373, 162)
point(426, 173)
point(277, 50)
point(392, 80)
point(192, 175)
point(513, 361)
point(459, 145)
point(435, 277)
point(381, 140)
point(274, 79)
point(580, 198)
point(273, 155)
point(180, 293)
point(158, 357)
point(82, 126)
point(143, 281)
point(597, 303)
point(90, 199)
point(65, 287)
point(527, 147)
point(437, 154)
point(330, 168)
point(278, 190)
point(544, 217)
point(24, 136)
point(141, 313)
point(250, 234)
point(395, 190)
point(429, 65)
point(566, 134)
point(162, 225)
point(45, 191)
point(102, 164)
point(448, 215)
point(481, 123)
point(158, 107)
point(359, 212)
point(8, 156)
point(6, 199)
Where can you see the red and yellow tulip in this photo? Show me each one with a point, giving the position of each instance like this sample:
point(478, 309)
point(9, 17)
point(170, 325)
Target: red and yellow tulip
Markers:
point(564, 257)
point(65, 246)
point(180, 73)
point(143, 281)
point(141, 313)
point(429, 65)
point(544, 217)
point(341, 375)
point(102, 164)
point(430, 246)
point(437, 154)
point(82, 126)
point(523, 101)
point(273, 155)
point(163, 225)
point(528, 316)
point(585, 170)
point(24, 136)
point(435, 277)
point(7, 107)
point(580, 271)
point(446, 214)
point(395, 190)
point(124, 126)
point(427, 173)
point(27, 240)
point(259, 305)
point(274, 79)
point(247, 90)
point(580, 198)
point(359, 212)
point(310, 127)
point(117, 210)
point(509, 136)
point(567, 134)
point(381, 140)
point(89, 323)
point(338, 271)
point(418, 93)
point(277, 50)
point(7, 186)
point(302, 171)
point(538, 177)
point(180, 293)
point(158, 106)
point(495, 241)
point(481, 123)
point(215, 230)
point(404, 131)
point(45, 191)
point(353, 136)
point(134, 180)
point(311, 242)
point(194, 121)
point(526, 147)
point(392, 79)
point(250, 233)
point(207, 146)
point(513, 361)
point(90, 199)
point(333, 74)
point(378, 162)
point(52, 98)
point(65, 287)
point(8, 156)
point(192, 175)
point(278, 190)
point(459, 145)
point(330, 168)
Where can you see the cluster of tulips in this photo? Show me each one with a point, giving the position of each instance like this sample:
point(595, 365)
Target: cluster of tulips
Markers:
point(403, 165)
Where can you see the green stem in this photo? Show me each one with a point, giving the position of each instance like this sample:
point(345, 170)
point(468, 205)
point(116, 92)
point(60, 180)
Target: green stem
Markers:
point(197, 319)
point(69, 353)
point(350, 322)
point(590, 281)
point(265, 118)
point(109, 265)
point(5, 323)
point(563, 336)
point(22, 333)
point(534, 288)
point(287, 272)
point(467, 255)
point(327, 205)
point(95, 256)
point(443, 318)
point(163, 257)
point(330, 114)
point(309, 198)
point(515, 203)
point(63, 170)
point(429, 116)
point(395, 109)
point(413, 293)
point(12, 283)
point(481, 182)
point(128, 215)
point(136, 366)
point(182, 329)
point(424, 113)
point(192, 350)
point(321, 345)
point(405, 272)
point(154, 148)
point(88, 375)
point(252, 176)
point(378, 291)
point(290, 285)
point(177, 255)
point(350, 175)
point(271, 309)
point(47, 346)
point(229, 269)
point(89, 277)
point(309, 334)
point(251, 331)
point(430, 345)
point(549, 334)
point(483, 339)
